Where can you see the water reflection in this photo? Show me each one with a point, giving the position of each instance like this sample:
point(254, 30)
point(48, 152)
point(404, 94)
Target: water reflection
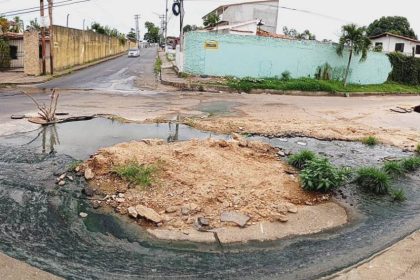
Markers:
point(49, 139)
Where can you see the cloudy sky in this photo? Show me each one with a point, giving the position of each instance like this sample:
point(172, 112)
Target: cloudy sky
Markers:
point(322, 17)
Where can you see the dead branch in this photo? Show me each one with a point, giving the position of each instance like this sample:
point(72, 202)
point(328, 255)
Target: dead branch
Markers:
point(47, 113)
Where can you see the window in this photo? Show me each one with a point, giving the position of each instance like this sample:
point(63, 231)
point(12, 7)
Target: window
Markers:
point(418, 49)
point(13, 52)
point(399, 47)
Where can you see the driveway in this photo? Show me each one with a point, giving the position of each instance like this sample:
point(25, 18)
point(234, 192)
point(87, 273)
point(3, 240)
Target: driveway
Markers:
point(120, 74)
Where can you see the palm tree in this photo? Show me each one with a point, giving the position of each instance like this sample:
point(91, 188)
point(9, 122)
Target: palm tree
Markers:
point(211, 20)
point(353, 38)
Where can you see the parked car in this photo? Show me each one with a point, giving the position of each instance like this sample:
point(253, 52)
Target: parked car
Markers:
point(133, 53)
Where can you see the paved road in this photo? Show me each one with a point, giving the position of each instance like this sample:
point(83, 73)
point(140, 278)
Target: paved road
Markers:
point(120, 74)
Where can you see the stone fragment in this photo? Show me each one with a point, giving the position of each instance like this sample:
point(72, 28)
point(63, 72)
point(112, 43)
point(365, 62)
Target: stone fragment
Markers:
point(171, 209)
point(88, 191)
point(62, 177)
point(83, 215)
point(282, 208)
point(89, 175)
point(120, 200)
point(132, 212)
point(236, 136)
point(234, 217)
point(291, 208)
point(96, 204)
point(61, 183)
point(70, 178)
point(148, 214)
point(281, 218)
point(203, 222)
point(223, 144)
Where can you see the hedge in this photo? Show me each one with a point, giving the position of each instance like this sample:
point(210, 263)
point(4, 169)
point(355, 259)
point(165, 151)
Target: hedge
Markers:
point(405, 69)
point(4, 54)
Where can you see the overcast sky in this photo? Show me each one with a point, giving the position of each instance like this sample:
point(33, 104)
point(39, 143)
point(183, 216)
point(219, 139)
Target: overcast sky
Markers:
point(325, 18)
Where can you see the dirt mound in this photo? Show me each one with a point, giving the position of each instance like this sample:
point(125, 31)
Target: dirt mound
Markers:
point(201, 184)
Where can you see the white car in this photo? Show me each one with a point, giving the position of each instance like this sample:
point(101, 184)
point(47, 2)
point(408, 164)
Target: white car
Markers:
point(133, 53)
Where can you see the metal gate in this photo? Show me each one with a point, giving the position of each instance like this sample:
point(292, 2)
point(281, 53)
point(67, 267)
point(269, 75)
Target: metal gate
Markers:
point(16, 54)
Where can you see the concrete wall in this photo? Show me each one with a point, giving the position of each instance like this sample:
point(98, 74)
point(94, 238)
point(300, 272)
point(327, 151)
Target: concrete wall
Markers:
point(389, 42)
point(75, 47)
point(31, 53)
point(267, 11)
point(254, 56)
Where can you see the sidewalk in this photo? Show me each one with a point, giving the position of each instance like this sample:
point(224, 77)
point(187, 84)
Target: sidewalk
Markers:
point(20, 78)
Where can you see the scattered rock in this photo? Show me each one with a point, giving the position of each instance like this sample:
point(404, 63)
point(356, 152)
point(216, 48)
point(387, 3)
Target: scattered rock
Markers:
point(281, 218)
point(291, 208)
point(234, 217)
point(61, 183)
point(171, 209)
point(89, 175)
point(282, 208)
point(83, 215)
point(88, 191)
point(185, 210)
point(132, 212)
point(243, 143)
point(77, 169)
point(96, 204)
point(121, 195)
point(236, 136)
point(70, 178)
point(223, 143)
point(281, 154)
point(148, 213)
point(120, 200)
point(302, 143)
point(203, 222)
point(62, 177)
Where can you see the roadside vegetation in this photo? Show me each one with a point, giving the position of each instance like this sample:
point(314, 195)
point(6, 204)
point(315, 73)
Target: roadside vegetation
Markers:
point(320, 175)
point(310, 84)
point(370, 140)
point(141, 175)
point(418, 148)
point(158, 65)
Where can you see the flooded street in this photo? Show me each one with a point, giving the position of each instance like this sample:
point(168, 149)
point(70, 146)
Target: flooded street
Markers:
point(39, 222)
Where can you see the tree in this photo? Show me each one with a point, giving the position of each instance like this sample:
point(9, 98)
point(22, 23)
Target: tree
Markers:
point(396, 25)
point(188, 28)
point(132, 35)
point(293, 33)
point(211, 20)
point(152, 34)
point(4, 25)
point(354, 39)
point(34, 25)
point(16, 25)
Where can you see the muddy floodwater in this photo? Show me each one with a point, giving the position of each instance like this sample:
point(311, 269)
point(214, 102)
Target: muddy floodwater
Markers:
point(39, 222)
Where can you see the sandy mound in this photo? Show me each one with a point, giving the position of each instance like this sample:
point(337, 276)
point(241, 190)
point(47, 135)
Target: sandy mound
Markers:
point(202, 185)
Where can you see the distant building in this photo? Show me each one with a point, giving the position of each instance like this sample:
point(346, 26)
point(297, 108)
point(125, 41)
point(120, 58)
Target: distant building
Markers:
point(388, 42)
point(243, 17)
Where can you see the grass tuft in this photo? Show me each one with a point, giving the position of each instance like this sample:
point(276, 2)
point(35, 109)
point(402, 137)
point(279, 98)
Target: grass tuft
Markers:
point(142, 175)
point(418, 148)
point(398, 195)
point(320, 175)
point(394, 168)
point(370, 140)
point(300, 159)
point(158, 65)
point(411, 164)
point(373, 180)
point(74, 164)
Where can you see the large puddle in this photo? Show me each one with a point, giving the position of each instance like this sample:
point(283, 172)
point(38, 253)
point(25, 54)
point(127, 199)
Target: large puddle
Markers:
point(39, 223)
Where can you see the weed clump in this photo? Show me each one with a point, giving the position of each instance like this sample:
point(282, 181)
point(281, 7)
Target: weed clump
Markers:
point(373, 180)
point(398, 195)
point(320, 175)
point(418, 148)
point(300, 159)
point(370, 140)
point(74, 165)
point(394, 168)
point(142, 175)
point(411, 164)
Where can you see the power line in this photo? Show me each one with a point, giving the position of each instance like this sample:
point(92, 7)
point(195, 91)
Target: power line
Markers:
point(26, 9)
point(38, 9)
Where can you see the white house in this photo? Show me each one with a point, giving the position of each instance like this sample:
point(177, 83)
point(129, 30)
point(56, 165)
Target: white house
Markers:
point(389, 42)
point(265, 12)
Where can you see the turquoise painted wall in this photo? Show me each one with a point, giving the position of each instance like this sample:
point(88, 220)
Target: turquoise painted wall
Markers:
point(253, 56)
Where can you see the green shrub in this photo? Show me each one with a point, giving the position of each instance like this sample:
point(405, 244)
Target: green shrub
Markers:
point(373, 180)
point(300, 159)
point(398, 195)
point(394, 168)
point(411, 164)
point(324, 72)
point(4, 54)
point(158, 65)
point(286, 76)
point(141, 175)
point(320, 175)
point(418, 148)
point(370, 140)
point(405, 69)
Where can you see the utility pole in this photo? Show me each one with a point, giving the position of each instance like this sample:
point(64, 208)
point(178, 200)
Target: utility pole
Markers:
point(50, 14)
point(137, 18)
point(166, 24)
point(181, 24)
point(162, 27)
point(43, 44)
point(67, 25)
